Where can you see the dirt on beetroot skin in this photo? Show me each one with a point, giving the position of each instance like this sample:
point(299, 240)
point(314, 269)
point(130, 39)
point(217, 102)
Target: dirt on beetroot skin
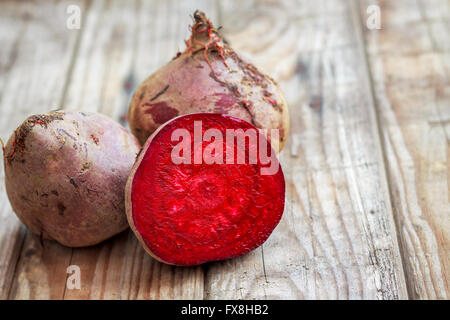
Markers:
point(209, 76)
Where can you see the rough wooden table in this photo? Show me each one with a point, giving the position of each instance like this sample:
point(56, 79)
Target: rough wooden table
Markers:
point(367, 161)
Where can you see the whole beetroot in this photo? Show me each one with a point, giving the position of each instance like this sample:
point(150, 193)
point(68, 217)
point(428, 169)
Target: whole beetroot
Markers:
point(208, 77)
point(65, 174)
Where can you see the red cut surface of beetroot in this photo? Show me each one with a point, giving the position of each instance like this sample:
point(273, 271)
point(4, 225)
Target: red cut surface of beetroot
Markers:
point(188, 214)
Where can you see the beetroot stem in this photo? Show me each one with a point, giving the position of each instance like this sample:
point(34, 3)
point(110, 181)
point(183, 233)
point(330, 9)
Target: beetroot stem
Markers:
point(203, 25)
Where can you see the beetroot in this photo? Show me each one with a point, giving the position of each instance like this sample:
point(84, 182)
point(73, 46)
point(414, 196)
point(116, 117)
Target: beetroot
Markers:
point(65, 174)
point(187, 209)
point(208, 77)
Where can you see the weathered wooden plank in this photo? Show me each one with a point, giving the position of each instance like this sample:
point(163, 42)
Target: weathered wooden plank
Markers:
point(122, 43)
point(410, 62)
point(35, 57)
point(145, 37)
point(337, 239)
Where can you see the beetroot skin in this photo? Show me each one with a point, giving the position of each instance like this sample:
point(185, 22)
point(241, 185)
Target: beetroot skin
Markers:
point(188, 214)
point(65, 174)
point(208, 77)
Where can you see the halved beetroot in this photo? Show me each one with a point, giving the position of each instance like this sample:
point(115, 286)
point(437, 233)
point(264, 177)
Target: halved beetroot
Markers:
point(192, 213)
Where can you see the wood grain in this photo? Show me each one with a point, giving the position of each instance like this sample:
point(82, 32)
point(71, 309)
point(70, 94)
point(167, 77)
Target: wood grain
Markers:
point(122, 43)
point(337, 239)
point(410, 62)
point(346, 183)
point(35, 57)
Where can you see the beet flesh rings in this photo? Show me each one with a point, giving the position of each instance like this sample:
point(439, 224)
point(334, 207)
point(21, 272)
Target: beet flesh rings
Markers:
point(188, 214)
